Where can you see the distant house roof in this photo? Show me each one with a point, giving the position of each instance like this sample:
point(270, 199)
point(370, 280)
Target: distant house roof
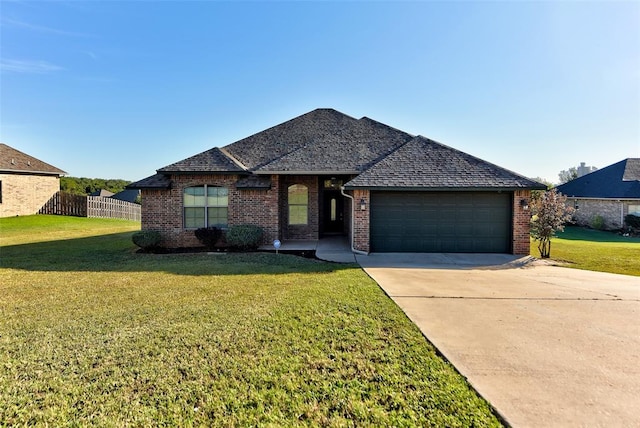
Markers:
point(128, 195)
point(425, 164)
point(14, 161)
point(325, 141)
point(102, 192)
point(618, 181)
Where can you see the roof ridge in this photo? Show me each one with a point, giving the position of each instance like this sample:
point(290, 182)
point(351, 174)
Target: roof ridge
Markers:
point(232, 158)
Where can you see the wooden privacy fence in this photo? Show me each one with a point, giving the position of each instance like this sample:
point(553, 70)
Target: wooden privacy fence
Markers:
point(90, 206)
point(112, 208)
point(65, 204)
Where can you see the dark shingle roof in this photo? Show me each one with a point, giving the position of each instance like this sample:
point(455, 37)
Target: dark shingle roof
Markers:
point(214, 160)
point(12, 160)
point(350, 148)
point(273, 143)
point(326, 141)
point(156, 181)
point(620, 180)
point(128, 195)
point(426, 164)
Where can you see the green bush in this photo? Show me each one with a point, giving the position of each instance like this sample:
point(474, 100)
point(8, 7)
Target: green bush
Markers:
point(244, 236)
point(597, 222)
point(146, 239)
point(632, 221)
point(208, 236)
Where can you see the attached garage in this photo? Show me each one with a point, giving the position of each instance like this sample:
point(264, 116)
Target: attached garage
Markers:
point(443, 222)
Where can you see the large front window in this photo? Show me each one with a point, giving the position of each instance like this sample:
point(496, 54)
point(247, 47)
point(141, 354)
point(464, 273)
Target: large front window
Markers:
point(205, 206)
point(298, 204)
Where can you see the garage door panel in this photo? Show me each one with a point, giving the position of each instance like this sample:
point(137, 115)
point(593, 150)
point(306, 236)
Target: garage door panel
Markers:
point(440, 222)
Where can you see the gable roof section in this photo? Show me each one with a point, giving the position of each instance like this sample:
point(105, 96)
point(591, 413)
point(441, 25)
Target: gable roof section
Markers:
point(348, 149)
point(273, 143)
point(423, 164)
point(213, 160)
point(618, 181)
point(156, 181)
point(14, 161)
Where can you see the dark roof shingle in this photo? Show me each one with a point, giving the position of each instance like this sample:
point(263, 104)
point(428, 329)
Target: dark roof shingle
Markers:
point(620, 180)
point(350, 148)
point(427, 165)
point(156, 181)
point(213, 160)
point(14, 161)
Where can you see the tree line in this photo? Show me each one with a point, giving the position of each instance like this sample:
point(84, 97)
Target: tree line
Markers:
point(84, 186)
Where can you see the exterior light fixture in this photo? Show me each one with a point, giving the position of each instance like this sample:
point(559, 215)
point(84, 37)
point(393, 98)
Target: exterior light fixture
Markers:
point(363, 204)
point(575, 204)
point(524, 204)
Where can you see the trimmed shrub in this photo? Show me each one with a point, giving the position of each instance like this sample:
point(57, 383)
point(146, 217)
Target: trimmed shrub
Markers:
point(208, 236)
point(633, 221)
point(597, 222)
point(146, 239)
point(244, 237)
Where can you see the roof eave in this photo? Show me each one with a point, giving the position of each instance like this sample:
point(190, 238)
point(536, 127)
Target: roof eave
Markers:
point(307, 172)
point(25, 172)
point(438, 189)
point(169, 172)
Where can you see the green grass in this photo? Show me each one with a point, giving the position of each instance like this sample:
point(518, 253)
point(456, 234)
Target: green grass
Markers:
point(595, 250)
point(92, 333)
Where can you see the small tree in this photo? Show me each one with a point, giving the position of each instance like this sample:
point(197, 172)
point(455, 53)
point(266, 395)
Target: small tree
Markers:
point(550, 213)
point(567, 175)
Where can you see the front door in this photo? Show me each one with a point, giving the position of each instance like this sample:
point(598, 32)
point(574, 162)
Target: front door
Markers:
point(333, 212)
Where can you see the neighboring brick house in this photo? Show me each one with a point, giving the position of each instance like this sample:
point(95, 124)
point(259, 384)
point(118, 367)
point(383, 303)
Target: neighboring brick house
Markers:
point(611, 193)
point(26, 183)
point(326, 173)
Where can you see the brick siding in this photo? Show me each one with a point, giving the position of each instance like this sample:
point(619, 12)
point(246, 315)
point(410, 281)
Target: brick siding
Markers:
point(611, 211)
point(361, 221)
point(295, 231)
point(26, 194)
point(162, 210)
point(521, 223)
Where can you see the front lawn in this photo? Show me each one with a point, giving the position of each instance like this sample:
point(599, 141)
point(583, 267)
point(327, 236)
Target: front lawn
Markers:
point(595, 250)
point(92, 333)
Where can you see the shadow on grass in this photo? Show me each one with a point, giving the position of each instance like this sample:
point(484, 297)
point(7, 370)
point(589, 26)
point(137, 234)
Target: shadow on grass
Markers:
point(577, 233)
point(116, 253)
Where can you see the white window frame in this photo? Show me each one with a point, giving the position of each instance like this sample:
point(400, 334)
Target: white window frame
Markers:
point(208, 202)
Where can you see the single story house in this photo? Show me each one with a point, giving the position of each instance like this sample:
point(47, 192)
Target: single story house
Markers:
point(326, 173)
point(611, 193)
point(26, 183)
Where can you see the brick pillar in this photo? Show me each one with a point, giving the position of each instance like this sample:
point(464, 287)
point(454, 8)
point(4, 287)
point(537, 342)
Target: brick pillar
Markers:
point(521, 223)
point(361, 220)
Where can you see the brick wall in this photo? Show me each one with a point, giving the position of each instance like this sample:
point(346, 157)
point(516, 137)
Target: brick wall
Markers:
point(611, 211)
point(361, 221)
point(162, 210)
point(295, 231)
point(521, 223)
point(26, 194)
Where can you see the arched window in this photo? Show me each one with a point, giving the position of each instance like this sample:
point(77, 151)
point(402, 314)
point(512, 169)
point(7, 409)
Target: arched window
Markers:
point(298, 204)
point(205, 206)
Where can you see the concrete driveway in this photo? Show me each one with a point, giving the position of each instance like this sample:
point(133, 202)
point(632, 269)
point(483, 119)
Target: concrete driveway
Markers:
point(545, 345)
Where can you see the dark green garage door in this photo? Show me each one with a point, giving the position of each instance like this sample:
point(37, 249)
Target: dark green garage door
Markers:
point(435, 222)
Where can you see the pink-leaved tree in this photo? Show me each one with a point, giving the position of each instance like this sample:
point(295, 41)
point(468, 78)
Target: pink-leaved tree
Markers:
point(549, 214)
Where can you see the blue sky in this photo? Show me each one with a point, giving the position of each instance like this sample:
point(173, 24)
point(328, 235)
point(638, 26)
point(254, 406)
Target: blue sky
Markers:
point(119, 89)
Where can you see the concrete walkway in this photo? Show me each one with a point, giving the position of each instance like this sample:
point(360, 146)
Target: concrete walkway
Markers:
point(545, 345)
point(330, 248)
